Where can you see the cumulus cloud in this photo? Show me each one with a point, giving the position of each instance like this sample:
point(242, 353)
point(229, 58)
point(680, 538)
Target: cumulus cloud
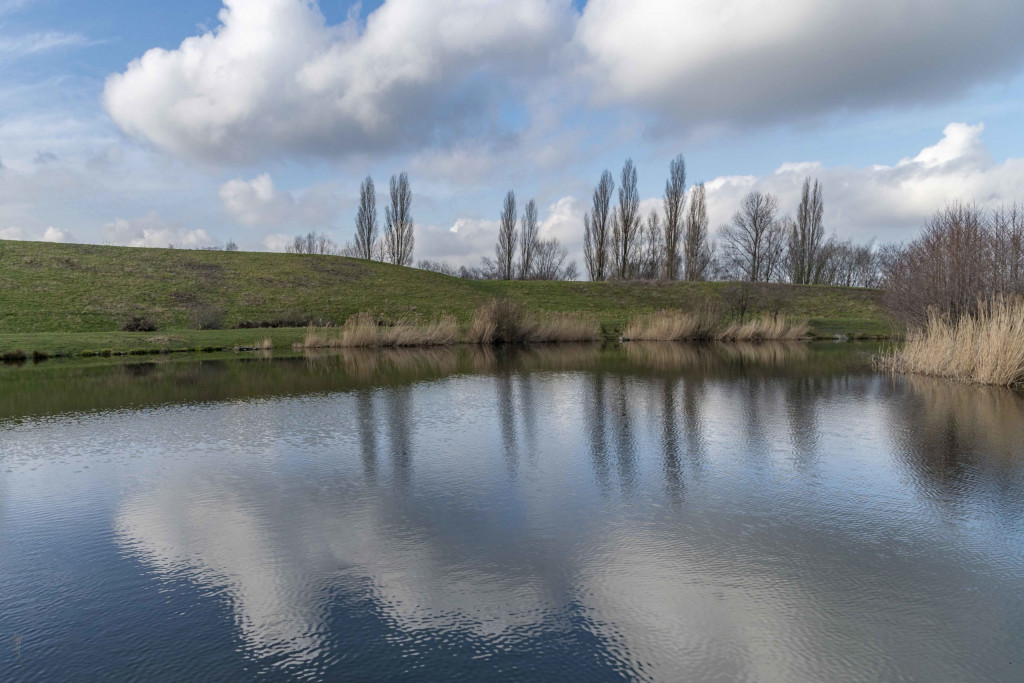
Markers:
point(259, 202)
point(273, 76)
point(12, 233)
point(447, 77)
point(152, 231)
point(757, 61)
point(52, 234)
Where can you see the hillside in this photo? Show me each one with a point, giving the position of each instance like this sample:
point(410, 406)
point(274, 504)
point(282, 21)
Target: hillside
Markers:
point(70, 289)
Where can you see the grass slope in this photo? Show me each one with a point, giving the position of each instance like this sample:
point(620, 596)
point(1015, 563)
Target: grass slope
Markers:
point(52, 294)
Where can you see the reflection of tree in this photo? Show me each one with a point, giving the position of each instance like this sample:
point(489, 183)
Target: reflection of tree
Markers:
point(507, 420)
point(693, 399)
point(960, 441)
point(367, 426)
point(400, 423)
point(528, 404)
point(595, 415)
point(622, 424)
point(802, 397)
point(670, 438)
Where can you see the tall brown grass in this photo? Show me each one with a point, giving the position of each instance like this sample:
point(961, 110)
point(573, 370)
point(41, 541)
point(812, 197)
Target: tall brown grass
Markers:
point(670, 325)
point(764, 328)
point(362, 330)
point(984, 348)
point(504, 321)
point(706, 325)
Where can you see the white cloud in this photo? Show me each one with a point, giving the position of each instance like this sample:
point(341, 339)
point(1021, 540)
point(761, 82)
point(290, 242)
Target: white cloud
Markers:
point(52, 234)
point(259, 202)
point(887, 202)
point(12, 233)
point(152, 231)
point(277, 241)
point(273, 77)
point(769, 60)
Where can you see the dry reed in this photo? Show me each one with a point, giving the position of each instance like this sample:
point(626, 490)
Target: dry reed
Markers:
point(706, 324)
point(672, 326)
point(985, 348)
point(502, 321)
point(362, 330)
point(764, 328)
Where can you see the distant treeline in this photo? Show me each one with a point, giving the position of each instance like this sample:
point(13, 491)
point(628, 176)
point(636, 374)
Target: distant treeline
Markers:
point(964, 253)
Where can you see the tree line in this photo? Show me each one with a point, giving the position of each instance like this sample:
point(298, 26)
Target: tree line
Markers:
point(964, 253)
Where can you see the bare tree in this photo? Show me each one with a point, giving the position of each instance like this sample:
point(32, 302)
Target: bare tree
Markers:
point(366, 220)
point(549, 261)
point(805, 253)
point(697, 251)
point(505, 249)
point(528, 240)
point(628, 222)
point(675, 196)
point(964, 255)
point(651, 249)
point(312, 243)
point(1008, 248)
point(596, 229)
point(753, 242)
point(438, 267)
point(398, 232)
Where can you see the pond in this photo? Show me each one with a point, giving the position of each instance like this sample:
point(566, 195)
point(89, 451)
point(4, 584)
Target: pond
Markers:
point(643, 511)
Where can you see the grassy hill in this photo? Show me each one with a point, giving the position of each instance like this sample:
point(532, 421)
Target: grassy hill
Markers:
point(68, 297)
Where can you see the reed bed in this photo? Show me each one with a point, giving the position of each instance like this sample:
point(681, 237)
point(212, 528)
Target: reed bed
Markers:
point(764, 328)
point(984, 348)
point(667, 325)
point(503, 321)
point(706, 325)
point(362, 330)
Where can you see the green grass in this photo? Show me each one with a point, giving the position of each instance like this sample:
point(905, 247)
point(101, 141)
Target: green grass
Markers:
point(66, 298)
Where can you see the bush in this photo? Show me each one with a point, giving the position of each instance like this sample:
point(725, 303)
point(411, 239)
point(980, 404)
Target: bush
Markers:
point(207, 318)
point(137, 324)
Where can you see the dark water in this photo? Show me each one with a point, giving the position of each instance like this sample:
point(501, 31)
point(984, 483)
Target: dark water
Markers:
point(767, 513)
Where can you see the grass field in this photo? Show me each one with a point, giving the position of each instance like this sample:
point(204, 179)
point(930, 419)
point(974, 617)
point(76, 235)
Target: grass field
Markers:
point(71, 298)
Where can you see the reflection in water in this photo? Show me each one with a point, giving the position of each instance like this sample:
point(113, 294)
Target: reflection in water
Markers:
point(367, 432)
point(675, 512)
point(966, 442)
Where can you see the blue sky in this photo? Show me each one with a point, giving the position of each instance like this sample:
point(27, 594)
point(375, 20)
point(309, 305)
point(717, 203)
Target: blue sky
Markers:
point(262, 123)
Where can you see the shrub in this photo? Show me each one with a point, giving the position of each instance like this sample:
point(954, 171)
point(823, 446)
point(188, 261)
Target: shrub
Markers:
point(206, 318)
point(137, 324)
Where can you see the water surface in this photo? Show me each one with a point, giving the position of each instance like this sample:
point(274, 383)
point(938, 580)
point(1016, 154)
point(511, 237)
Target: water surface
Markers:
point(662, 512)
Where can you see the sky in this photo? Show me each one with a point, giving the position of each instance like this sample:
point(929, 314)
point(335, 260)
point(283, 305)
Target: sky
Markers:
point(197, 122)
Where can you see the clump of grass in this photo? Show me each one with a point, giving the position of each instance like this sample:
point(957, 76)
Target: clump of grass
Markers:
point(15, 356)
point(984, 348)
point(363, 330)
point(764, 328)
point(668, 325)
point(266, 345)
point(502, 321)
point(137, 323)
